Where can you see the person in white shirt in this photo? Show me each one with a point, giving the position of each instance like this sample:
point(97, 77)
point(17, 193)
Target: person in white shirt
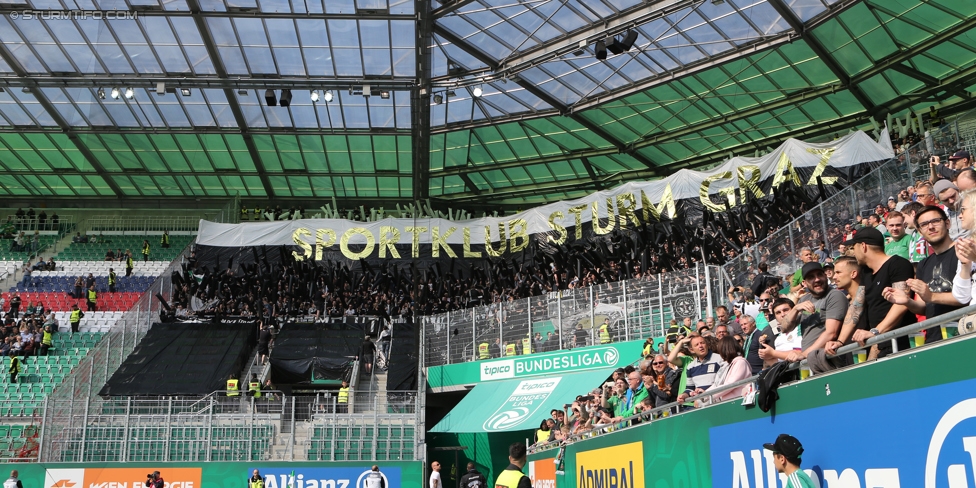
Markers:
point(374, 479)
point(435, 475)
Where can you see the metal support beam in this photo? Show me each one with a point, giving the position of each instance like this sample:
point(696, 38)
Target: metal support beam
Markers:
point(566, 44)
point(448, 6)
point(961, 79)
point(94, 130)
point(592, 172)
point(235, 107)
point(7, 10)
point(543, 95)
point(787, 13)
point(420, 102)
point(469, 184)
point(392, 83)
point(63, 125)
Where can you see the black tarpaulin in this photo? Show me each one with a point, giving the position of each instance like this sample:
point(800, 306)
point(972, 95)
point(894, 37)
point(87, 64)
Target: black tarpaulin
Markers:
point(320, 352)
point(403, 356)
point(184, 359)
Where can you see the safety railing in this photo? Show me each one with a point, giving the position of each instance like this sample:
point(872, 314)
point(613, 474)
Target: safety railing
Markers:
point(143, 224)
point(703, 400)
point(636, 309)
point(826, 221)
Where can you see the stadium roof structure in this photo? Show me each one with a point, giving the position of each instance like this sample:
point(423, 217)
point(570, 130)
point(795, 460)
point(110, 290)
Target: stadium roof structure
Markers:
point(80, 116)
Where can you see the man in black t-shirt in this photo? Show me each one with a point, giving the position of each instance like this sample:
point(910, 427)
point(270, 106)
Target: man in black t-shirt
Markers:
point(933, 288)
point(887, 272)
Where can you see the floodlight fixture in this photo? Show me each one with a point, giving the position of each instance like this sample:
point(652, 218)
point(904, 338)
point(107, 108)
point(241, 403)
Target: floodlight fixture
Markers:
point(328, 96)
point(161, 88)
point(242, 91)
point(601, 50)
point(285, 97)
point(129, 93)
point(477, 92)
point(438, 99)
point(366, 91)
point(25, 89)
point(450, 93)
point(630, 37)
point(614, 46)
point(314, 95)
point(385, 94)
point(101, 94)
point(185, 92)
point(270, 98)
point(115, 93)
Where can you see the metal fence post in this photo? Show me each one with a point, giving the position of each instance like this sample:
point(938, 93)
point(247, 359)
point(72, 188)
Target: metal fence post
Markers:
point(660, 298)
point(792, 245)
point(474, 335)
point(448, 335)
point(708, 293)
point(698, 292)
point(590, 304)
point(623, 289)
point(528, 319)
point(559, 318)
point(125, 429)
point(40, 437)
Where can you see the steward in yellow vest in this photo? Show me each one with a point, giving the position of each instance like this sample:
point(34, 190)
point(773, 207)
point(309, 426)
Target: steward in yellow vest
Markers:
point(605, 332)
point(510, 349)
point(47, 341)
point(145, 250)
point(483, 351)
point(527, 345)
point(164, 242)
point(513, 477)
point(14, 369)
point(344, 397)
point(232, 389)
point(112, 280)
point(76, 316)
point(256, 480)
point(254, 386)
point(92, 299)
point(128, 262)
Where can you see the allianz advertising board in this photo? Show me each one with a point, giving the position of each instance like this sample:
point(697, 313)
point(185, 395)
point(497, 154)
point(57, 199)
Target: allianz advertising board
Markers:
point(923, 438)
point(315, 477)
point(542, 364)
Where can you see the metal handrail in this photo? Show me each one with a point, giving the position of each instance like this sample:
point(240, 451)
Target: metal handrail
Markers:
point(952, 316)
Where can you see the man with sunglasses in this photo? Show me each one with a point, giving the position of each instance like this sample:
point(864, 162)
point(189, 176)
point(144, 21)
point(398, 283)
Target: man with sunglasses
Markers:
point(932, 289)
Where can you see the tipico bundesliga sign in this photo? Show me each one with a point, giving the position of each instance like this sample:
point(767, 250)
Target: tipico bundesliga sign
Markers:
point(556, 363)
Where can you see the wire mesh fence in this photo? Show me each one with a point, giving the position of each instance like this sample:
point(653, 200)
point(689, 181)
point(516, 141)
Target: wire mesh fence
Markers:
point(634, 309)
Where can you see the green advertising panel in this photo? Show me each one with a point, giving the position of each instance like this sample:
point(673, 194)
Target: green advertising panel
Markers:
point(398, 474)
point(506, 406)
point(616, 355)
point(903, 422)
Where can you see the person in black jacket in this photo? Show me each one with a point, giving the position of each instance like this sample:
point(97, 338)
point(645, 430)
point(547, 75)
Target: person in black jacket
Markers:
point(473, 478)
point(763, 280)
point(367, 352)
point(154, 480)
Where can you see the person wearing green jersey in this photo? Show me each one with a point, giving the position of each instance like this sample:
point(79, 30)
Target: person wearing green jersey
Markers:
point(786, 458)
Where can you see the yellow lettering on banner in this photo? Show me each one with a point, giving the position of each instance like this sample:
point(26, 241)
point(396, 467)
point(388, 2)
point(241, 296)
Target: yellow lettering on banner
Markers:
point(518, 232)
point(665, 207)
point(321, 244)
point(785, 165)
point(415, 247)
point(825, 155)
point(578, 212)
point(560, 230)
point(703, 192)
point(344, 243)
point(626, 203)
point(306, 247)
point(389, 243)
point(468, 253)
point(611, 218)
point(438, 241)
point(502, 241)
point(751, 183)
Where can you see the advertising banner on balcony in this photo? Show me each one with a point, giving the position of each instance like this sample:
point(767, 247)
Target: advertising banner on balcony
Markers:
point(889, 424)
point(616, 355)
point(669, 209)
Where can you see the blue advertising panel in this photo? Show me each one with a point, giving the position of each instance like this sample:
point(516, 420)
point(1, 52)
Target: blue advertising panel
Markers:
point(332, 477)
point(922, 438)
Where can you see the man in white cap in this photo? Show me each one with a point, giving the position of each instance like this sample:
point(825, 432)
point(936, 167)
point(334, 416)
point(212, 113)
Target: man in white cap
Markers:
point(948, 195)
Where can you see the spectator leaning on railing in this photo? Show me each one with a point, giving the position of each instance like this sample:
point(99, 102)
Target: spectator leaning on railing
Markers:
point(698, 365)
point(847, 277)
point(820, 313)
point(931, 294)
point(887, 272)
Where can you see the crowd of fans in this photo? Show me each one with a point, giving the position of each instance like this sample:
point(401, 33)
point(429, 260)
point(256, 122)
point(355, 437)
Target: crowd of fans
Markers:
point(911, 258)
